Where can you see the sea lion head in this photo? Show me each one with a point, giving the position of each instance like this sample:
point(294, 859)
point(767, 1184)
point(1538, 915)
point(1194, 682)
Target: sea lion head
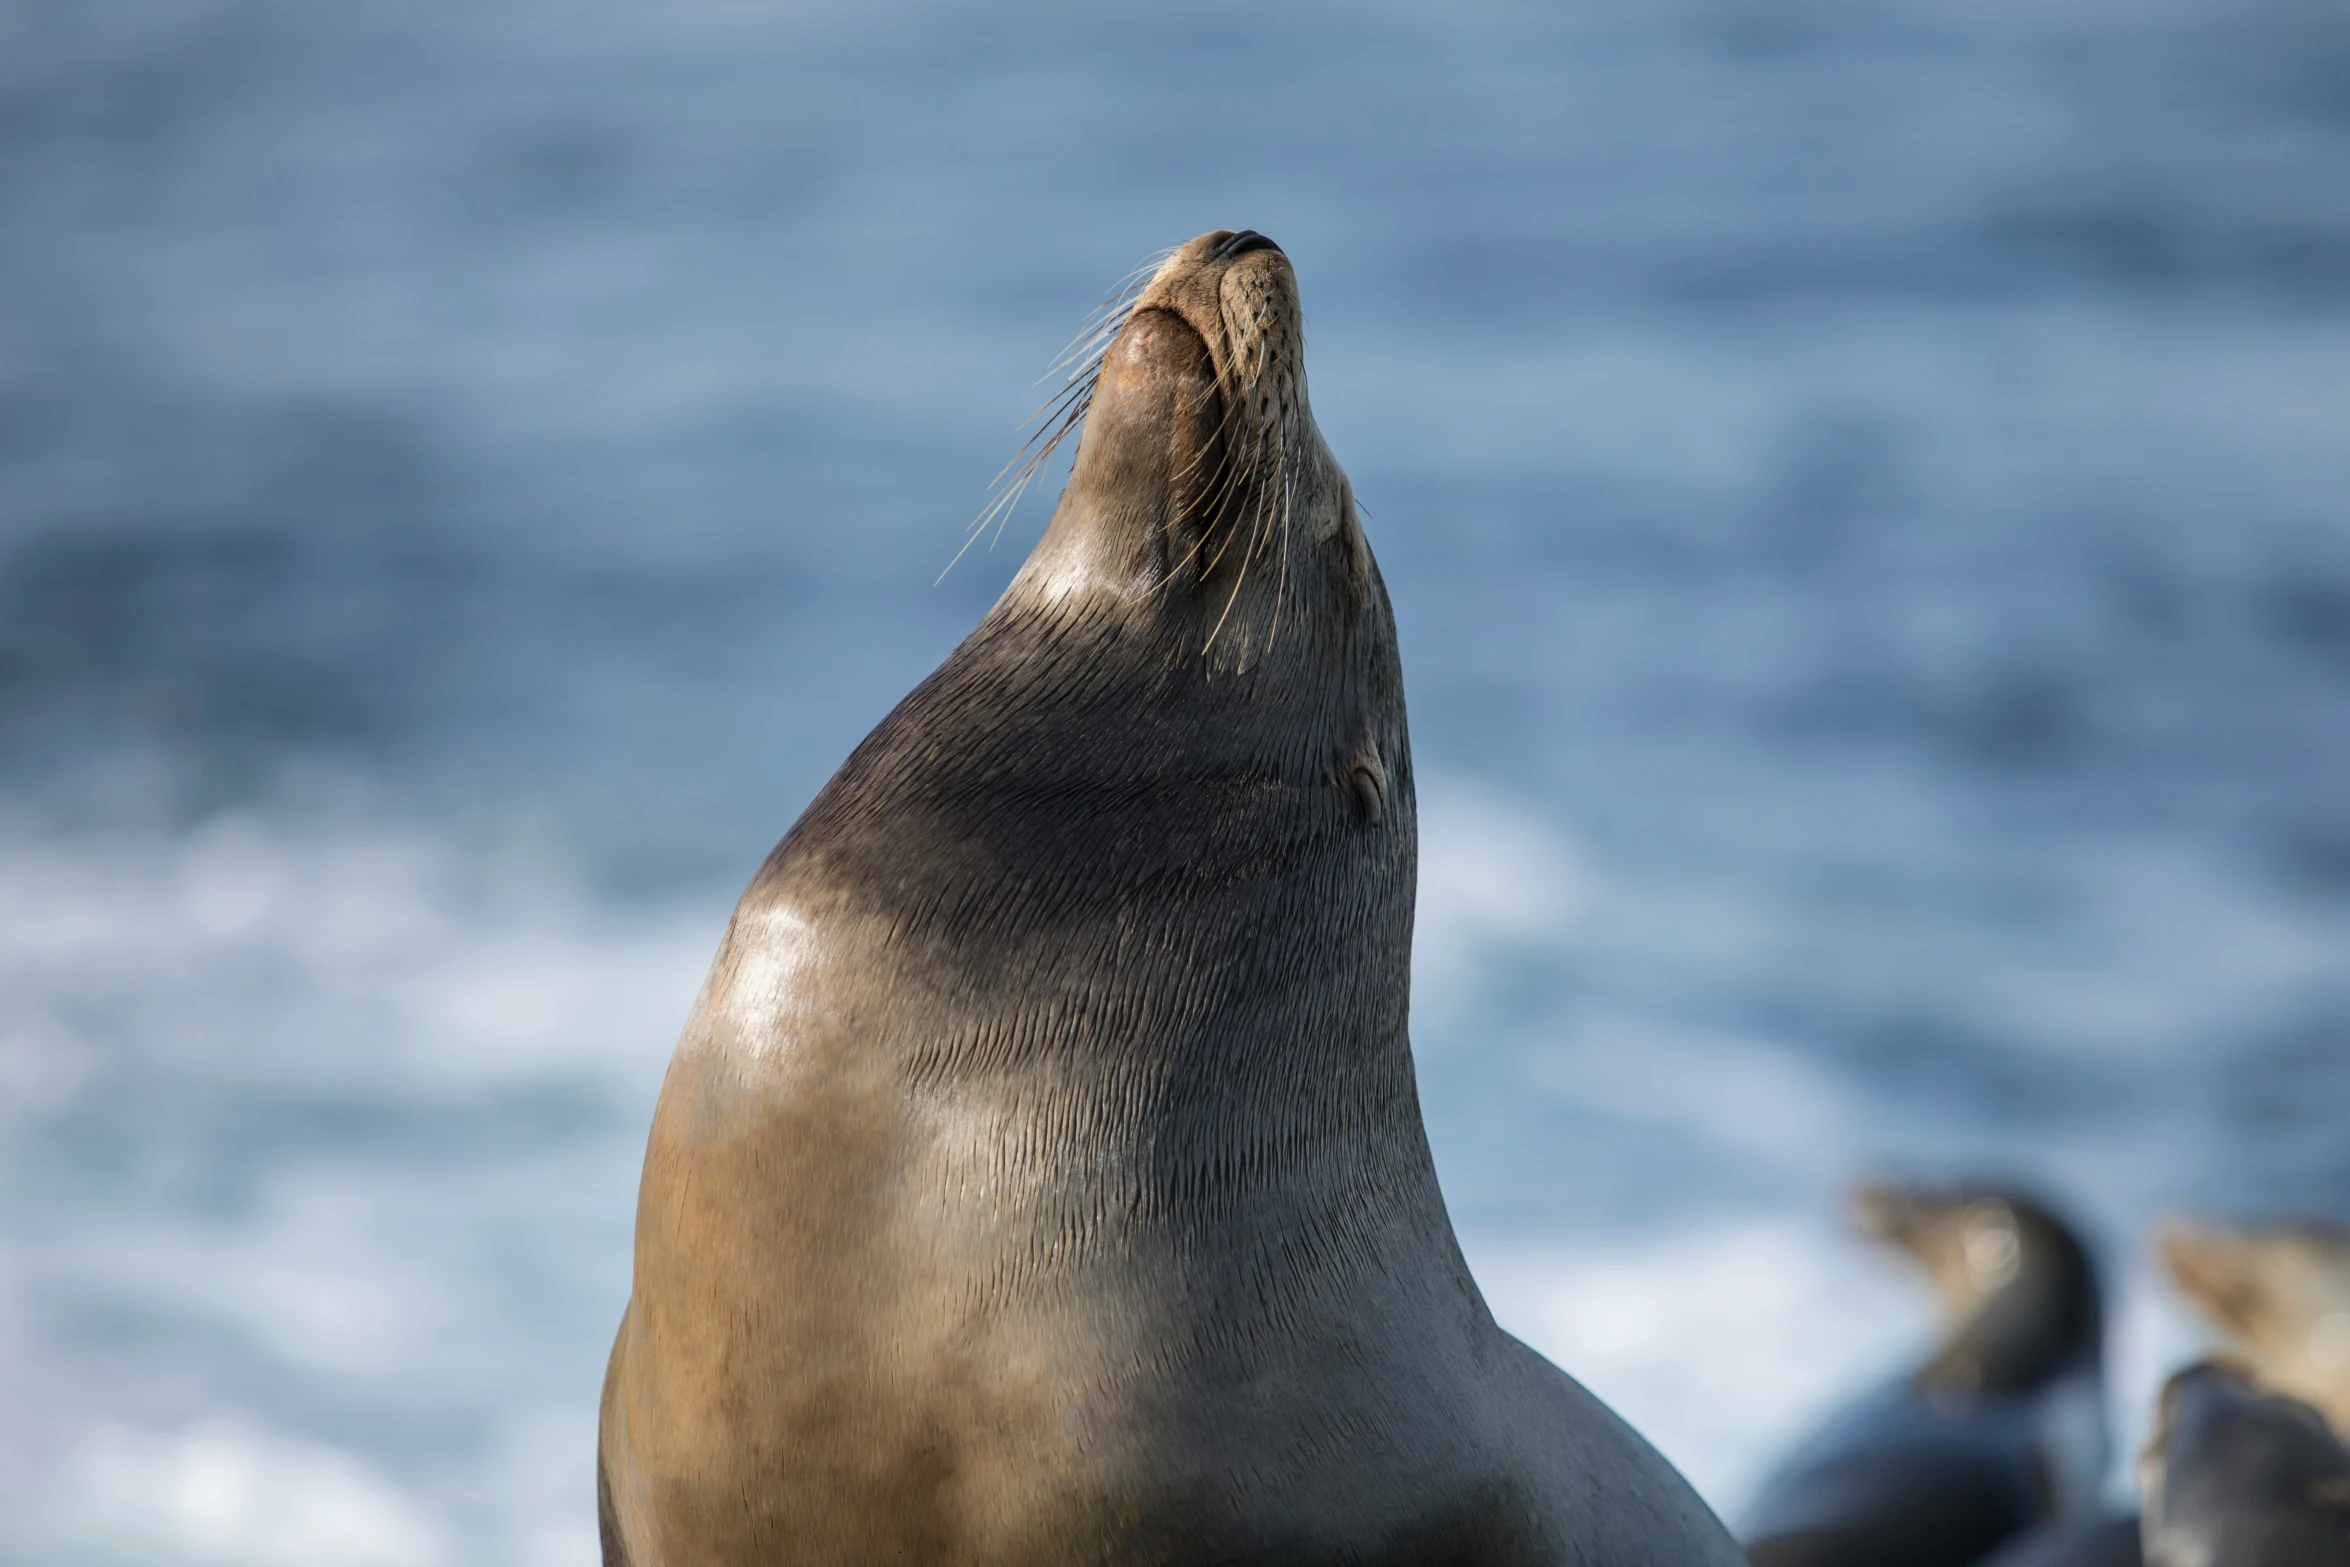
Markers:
point(2018, 1287)
point(1185, 714)
point(2281, 1296)
point(1153, 818)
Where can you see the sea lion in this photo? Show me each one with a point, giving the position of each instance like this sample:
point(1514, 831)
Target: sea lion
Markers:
point(2238, 1477)
point(1040, 1176)
point(2002, 1429)
point(2281, 1296)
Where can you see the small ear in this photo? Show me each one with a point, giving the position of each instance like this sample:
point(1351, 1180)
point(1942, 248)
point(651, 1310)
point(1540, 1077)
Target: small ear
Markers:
point(1366, 782)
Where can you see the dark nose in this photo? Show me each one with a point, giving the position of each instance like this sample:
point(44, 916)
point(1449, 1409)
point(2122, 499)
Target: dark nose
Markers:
point(1240, 244)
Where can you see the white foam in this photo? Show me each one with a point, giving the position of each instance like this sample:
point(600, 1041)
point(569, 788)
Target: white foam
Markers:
point(357, 952)
point(1736, 1091)
point(1717, 1344)
point(228, 1490)
point(43, 1067)
point(349, 1008)
point(2149, 1336)
point(545, 1499)
point(1494, 875)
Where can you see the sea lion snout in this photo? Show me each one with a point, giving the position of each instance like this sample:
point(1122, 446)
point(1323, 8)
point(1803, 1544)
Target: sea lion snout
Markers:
point(1878, 1209)
point(2209, 1266)
point(1202, 495)
point(1239, 244)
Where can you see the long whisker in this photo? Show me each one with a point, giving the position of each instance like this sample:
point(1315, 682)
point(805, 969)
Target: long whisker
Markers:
point(1274, 442)
point(1237, 584)
point(1106, 317)
point(1236, 445)
point(1073, 404)
point(1281, 583)
point(1293, 449)
point(1262, 435)
point(1063, 413)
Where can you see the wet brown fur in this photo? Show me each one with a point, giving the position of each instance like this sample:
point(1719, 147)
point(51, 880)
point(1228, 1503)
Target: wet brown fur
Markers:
point(1040, 1176)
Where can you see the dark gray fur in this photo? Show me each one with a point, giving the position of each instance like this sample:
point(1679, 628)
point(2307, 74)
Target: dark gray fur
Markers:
point(2110, 1541)
point(2238, 1477)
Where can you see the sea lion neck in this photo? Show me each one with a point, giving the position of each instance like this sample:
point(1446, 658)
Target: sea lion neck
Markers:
point(1147, 835)
point(1117, 937)
point(1060, 799)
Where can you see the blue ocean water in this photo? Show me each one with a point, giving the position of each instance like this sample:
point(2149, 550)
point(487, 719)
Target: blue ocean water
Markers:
point(1863, 488)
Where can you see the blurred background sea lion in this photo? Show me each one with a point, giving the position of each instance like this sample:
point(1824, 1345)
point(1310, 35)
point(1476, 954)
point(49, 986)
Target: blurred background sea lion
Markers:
point(2003, 1428)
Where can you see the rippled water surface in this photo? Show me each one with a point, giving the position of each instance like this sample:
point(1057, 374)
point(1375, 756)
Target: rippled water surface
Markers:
point(1862, 487)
